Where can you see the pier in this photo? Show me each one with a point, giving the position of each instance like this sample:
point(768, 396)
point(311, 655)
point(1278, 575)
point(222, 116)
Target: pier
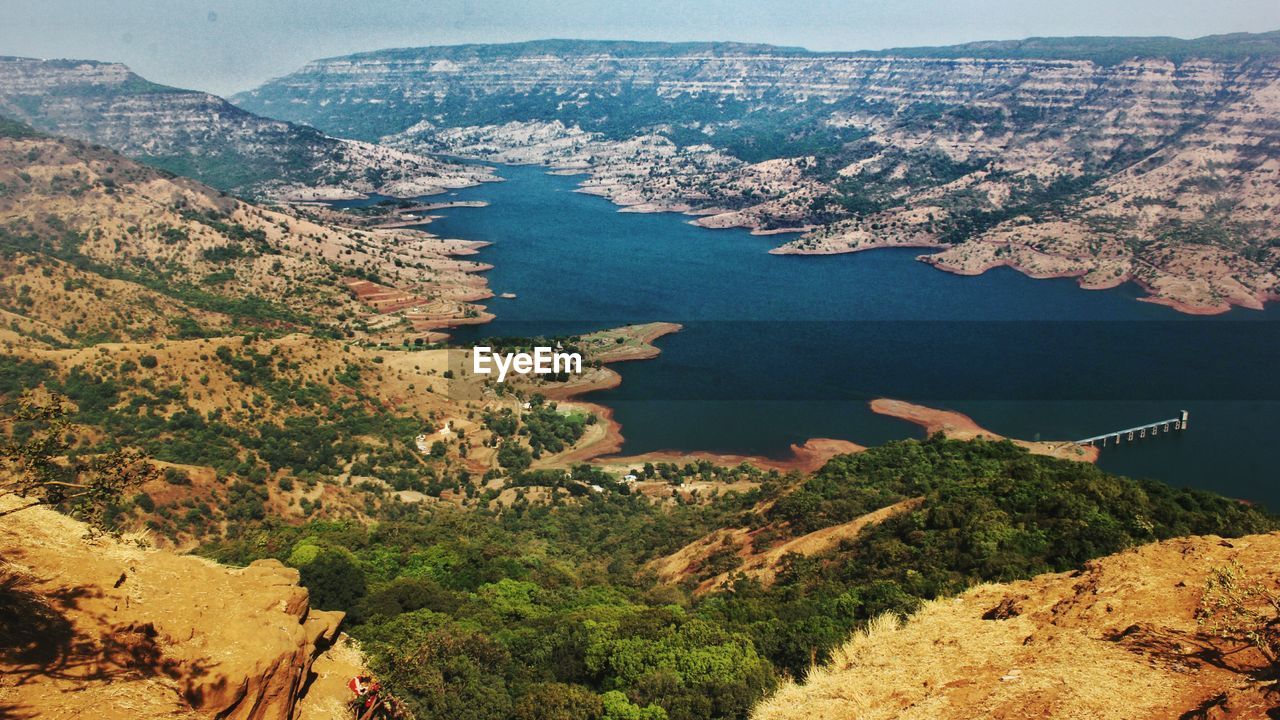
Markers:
point(1139, 432)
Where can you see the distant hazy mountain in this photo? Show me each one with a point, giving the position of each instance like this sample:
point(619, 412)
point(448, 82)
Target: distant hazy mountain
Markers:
point(203, 136)
point(369, 95)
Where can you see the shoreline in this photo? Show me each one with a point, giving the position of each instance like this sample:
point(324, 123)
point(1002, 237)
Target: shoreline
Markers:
point(805, 457)
point(602, 450)
point(701, 218)
point(604, 378)
point(325, 194)
point(1253, 302)
point(601, 447)
point(408, 220)
point(591, 185)
point(958, 426)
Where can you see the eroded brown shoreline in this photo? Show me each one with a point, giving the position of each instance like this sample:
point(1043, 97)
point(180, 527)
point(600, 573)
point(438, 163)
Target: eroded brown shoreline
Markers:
point(1076, 269)
point(805, 457)
point(959, 426)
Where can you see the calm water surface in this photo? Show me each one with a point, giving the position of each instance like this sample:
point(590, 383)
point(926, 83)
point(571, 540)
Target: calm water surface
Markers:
point(778, 349)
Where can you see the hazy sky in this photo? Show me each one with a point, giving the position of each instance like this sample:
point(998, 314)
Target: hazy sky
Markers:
point(228, 45)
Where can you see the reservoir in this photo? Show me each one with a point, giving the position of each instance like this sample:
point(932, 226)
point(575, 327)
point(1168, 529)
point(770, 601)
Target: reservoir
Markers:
point(779, 349)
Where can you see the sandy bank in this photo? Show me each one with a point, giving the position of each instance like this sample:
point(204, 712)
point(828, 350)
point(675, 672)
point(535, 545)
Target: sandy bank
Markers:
point(962, 427)
point(605, 438)
point(804, 458)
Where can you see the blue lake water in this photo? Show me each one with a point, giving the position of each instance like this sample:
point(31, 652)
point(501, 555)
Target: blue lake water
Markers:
point(778, 349)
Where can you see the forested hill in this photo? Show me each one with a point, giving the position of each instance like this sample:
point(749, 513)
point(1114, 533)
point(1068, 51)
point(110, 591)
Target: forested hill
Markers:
point(489, 615)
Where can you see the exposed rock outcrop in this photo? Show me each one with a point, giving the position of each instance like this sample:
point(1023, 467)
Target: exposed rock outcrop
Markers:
point(101, 628)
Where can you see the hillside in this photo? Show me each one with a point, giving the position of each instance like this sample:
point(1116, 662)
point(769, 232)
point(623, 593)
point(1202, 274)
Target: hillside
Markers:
point(204, 137)
point(481, 584)
point(1118, 639)
point(558, 591)
point(99, 248)
point(106, 629)
point(249, 351)
point(760, 564)
point(287, 427)
point(1148, 160)
point(224, 339)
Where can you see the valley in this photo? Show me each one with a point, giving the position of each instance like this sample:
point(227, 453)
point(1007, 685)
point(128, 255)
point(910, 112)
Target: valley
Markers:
point(1095, 162)
point(245, 455)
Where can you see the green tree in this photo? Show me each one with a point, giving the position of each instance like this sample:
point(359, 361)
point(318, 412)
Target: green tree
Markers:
point(618, 707)
point(449, 673)
point(559, 701)
point(514, 456)
point(35, 469)
point(333, 576)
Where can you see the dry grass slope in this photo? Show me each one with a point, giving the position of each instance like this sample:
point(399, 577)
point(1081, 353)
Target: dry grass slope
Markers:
point(763, 563)
point(1117, 639)
point(99, 246)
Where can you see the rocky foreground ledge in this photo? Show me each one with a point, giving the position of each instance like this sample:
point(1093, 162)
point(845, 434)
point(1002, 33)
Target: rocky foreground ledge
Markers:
point(1118, 638)
point(105, 629)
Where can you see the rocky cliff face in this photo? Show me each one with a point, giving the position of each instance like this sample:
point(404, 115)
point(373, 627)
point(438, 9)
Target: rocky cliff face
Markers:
point(204, 137)
point(1110, 161)
point(706, 82)
point(104, 629)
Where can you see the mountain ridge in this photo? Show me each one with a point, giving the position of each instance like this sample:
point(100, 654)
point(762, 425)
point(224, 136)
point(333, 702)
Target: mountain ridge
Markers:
point(1074, 47)
point(1154, 171)
point(202, 136)
point(1108, 48)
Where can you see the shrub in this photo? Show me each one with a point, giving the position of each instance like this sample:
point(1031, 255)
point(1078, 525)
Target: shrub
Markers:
point(144, 501)
point(558, 701)
point(333, 576)
point(1239, 609)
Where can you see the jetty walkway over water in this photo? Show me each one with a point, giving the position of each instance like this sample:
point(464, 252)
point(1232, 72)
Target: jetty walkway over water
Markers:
point(1141, 431)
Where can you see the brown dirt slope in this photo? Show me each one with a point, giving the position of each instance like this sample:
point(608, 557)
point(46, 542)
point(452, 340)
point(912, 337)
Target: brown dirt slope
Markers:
point(1117, 639)
point(762, 563)
point(104, 629)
